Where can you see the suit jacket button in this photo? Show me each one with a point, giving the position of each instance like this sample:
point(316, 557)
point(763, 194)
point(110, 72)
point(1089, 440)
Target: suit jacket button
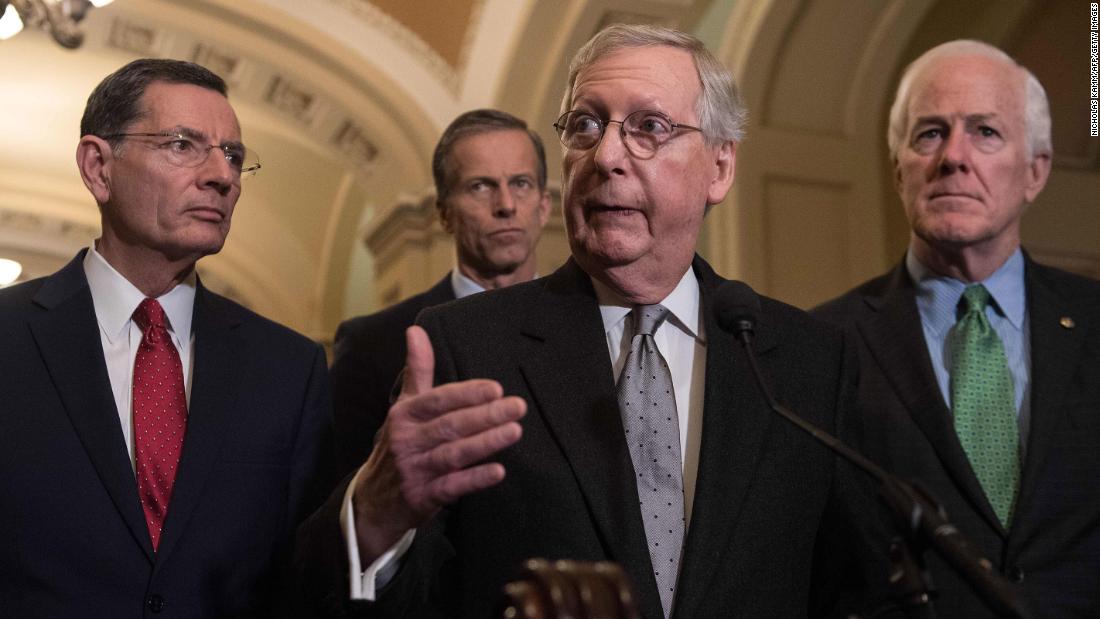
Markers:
point(155, 603)
point(1015, 574)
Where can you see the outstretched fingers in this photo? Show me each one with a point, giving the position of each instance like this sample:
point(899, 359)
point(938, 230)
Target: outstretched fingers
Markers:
point(453, 469)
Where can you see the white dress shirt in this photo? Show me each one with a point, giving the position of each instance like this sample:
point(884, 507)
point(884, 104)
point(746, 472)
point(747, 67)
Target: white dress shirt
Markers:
point(680, 340)
point(115, 299)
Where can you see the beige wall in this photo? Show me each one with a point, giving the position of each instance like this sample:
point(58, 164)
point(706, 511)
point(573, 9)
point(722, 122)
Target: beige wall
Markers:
point(344, 102)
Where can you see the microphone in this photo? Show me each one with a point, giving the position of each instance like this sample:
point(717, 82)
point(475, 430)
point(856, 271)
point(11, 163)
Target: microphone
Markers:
point(737, 308)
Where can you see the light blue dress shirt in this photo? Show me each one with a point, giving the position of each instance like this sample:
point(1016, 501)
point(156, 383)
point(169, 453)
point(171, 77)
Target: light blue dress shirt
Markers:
point(938, 303)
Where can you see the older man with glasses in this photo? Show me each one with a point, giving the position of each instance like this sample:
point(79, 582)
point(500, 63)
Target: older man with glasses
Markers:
point(619, 421)
point(159, 442)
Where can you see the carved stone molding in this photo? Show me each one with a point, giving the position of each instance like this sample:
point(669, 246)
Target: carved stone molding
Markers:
point(376, 18)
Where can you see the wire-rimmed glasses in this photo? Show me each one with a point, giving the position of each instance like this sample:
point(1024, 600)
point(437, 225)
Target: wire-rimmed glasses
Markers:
point(643, 131)
point(190, 151)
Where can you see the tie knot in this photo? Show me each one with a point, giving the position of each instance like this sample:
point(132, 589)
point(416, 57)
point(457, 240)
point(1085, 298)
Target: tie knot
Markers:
point(149, 314)
point(976, 298)
point(648, 317)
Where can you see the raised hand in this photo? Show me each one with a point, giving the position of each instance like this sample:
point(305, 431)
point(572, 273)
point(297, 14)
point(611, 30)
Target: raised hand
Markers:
point(429, 452)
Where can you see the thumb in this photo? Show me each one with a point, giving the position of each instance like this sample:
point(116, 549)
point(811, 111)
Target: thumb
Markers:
point(419, 363)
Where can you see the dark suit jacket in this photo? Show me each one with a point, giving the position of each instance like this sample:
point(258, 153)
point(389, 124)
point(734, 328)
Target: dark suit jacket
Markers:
point(75, 540)
point(369, 354)
point(1053, 547)
point(765, 494)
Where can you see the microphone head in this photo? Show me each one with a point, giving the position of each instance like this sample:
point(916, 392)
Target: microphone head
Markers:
point(737, 307)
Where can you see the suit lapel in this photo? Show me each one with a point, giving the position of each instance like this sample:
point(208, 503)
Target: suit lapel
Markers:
point(736, 421)
point(67, 335)
point(441, 292)
point(894, 335)
point(219, 351)
point(1055, 352)
point(571, 381)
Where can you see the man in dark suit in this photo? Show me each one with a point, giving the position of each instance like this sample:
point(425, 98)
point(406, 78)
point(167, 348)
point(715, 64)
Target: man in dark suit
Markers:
point(970, 140)
point(746, 506)
point(160, 442)
point(490, 185)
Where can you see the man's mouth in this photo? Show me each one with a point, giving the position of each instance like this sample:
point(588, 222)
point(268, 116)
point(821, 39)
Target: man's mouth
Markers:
point(951, 194)
point(599, 208)
point(207, 213)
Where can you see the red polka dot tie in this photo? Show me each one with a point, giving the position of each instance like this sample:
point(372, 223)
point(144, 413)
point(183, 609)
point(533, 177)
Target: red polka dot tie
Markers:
point(160, 415)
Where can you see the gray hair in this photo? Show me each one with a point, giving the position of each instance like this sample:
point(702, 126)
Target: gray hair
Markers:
point(1036, 107)
point(721, 112)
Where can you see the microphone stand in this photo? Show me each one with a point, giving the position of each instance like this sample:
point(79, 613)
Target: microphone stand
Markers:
point(922, 520)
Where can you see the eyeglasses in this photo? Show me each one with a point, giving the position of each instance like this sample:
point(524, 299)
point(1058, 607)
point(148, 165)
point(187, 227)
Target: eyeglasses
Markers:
point(189, 151)
point(643, 131)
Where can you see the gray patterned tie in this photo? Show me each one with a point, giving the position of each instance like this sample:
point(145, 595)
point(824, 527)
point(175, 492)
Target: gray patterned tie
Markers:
point(647, 404)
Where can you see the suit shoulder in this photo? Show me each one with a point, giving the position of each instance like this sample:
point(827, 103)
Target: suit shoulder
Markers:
point(263, 329)
point(795, 322)
point(394, 318)
point(18, 297)
point(844, 308)
point(490, 307)
point(1067, 283)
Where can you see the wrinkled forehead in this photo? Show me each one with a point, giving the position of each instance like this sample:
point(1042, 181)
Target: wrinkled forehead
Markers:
point(962, 86)
point(167, 105)
point(640, 76)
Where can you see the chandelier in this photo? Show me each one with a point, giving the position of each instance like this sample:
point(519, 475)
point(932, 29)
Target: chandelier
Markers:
point(58, 17)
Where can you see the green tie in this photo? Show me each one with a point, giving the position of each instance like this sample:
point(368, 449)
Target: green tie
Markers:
point(984, 404)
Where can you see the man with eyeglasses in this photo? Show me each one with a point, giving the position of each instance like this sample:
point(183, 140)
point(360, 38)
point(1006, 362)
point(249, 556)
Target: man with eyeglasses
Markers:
point(490, 183)
point(631, 430)
point(159, 442)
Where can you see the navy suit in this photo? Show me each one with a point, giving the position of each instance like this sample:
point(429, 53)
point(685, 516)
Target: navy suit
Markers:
point(75, 539)
point(368, 356)
point(1053, 546)
point(770, 505)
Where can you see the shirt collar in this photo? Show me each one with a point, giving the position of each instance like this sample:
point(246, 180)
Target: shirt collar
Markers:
point(682, 304)
point(115, 300)
point(462, 285)
point(938, 295)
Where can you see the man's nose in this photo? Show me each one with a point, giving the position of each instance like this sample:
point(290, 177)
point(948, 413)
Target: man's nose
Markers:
point(611, 149)
point(217, 172)
point(505, 204)
point(955, 154)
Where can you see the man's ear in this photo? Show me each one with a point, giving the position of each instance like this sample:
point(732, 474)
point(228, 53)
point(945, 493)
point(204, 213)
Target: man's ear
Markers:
point(1037, 174)
point(545, 206)
point(444, 221)
point(725, 158)
point(94, 159)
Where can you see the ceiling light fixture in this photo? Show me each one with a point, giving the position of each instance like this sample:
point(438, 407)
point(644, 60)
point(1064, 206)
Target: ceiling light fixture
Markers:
point(58, 17)
point(9, 271)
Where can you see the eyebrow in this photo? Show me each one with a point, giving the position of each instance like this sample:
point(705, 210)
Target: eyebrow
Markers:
point(942, 119)
point(199, 136)
point(480, 178)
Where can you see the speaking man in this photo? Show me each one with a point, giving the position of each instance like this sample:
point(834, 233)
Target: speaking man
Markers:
point(631, 430)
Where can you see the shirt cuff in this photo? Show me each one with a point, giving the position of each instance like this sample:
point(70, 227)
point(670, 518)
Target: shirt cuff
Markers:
point(364, 584)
